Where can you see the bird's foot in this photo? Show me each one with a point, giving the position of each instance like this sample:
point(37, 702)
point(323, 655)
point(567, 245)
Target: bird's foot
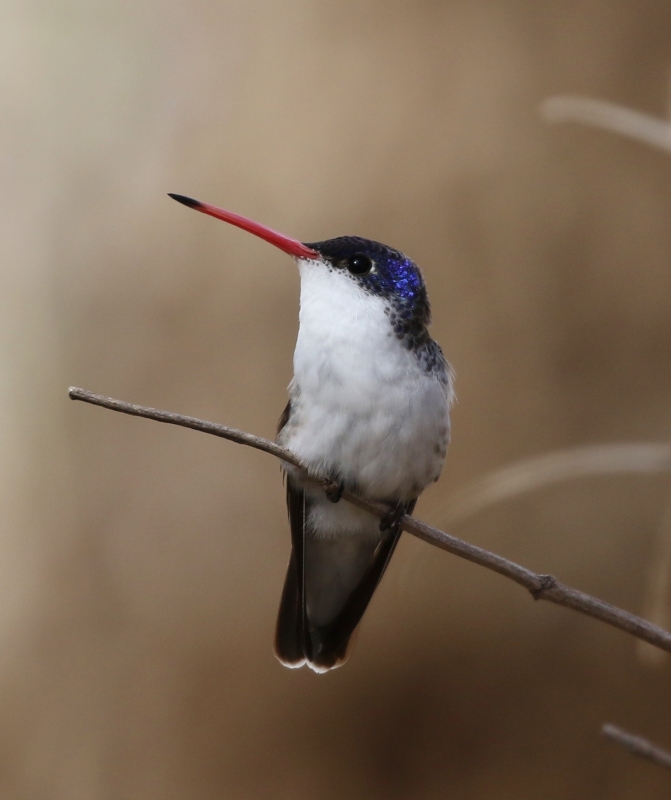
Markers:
point(335, 493)
point(393, 517)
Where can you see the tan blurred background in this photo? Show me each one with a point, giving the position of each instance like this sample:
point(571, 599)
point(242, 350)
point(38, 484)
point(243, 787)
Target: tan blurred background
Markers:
point(141, 566)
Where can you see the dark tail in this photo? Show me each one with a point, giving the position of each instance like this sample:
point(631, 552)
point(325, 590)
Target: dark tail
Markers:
point(324, 647)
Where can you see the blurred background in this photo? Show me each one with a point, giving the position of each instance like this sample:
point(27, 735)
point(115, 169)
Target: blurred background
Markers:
point(141, 565)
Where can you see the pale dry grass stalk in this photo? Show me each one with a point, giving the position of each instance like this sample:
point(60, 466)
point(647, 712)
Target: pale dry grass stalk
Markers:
point(609, 116)
point(550, 468)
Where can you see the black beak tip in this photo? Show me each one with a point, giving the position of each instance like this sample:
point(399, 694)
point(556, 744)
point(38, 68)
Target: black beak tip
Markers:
point(187, 201)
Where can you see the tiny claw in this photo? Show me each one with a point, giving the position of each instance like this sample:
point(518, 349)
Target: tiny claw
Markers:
point(335, 492)
point(393, 517)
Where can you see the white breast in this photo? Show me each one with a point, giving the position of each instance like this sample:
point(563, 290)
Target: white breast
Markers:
point(363, 408)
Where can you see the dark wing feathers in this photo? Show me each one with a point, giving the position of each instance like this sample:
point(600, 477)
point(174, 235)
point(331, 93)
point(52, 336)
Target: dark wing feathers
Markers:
point(290, 636)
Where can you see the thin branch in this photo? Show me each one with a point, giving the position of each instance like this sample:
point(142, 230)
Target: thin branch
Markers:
point(637, 745)
point(542, 587)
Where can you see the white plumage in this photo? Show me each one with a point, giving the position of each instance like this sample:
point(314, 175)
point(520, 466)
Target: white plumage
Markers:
point(363, 407)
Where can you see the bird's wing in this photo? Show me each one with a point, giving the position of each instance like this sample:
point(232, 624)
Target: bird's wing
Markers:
point(291, 631)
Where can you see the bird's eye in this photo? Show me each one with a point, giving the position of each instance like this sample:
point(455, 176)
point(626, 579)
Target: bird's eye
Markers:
point(359, 264)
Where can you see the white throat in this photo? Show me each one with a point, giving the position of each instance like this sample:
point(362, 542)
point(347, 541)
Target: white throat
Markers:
point(341, 326)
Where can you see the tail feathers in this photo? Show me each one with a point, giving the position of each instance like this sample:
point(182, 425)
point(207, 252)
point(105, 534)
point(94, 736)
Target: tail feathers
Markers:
point(297, 642)
point(323, 647)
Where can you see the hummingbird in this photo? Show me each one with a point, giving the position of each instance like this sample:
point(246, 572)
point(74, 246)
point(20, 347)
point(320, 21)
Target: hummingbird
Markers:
point(368, 407)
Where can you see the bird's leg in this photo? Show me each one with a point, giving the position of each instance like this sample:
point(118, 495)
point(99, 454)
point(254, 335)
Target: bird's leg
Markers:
point(334, 493)
point(393, 517)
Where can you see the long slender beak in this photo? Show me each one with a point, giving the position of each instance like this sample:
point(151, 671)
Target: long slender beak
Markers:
point(286, 243)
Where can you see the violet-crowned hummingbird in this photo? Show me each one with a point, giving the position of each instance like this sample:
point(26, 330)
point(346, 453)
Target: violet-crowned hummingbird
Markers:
point(369, 407)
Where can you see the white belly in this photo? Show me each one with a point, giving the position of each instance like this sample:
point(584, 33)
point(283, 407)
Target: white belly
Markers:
point(363, 407)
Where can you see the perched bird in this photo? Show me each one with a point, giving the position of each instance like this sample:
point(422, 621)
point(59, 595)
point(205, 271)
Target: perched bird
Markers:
point(369, 407)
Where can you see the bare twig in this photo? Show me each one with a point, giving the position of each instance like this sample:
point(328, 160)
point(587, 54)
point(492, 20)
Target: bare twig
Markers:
point(637, 746)
point(542, 587)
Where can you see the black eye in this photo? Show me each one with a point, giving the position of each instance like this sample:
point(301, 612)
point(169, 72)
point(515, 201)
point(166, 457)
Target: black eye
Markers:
point(359, 264)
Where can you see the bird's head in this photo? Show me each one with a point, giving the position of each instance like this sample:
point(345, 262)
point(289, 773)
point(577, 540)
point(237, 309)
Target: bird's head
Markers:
point(373, 268)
